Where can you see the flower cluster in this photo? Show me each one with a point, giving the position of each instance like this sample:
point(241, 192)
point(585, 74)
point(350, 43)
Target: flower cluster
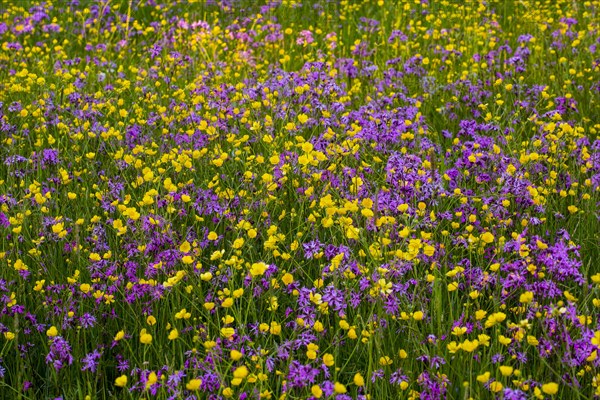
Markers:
point(340, 200)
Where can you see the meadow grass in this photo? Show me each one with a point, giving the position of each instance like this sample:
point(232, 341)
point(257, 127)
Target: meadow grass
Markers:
point(297, 200)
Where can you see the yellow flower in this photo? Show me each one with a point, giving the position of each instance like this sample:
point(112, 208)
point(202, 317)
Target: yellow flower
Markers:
point(145, 338)
point(504, 340)
point(121, 381)
point(532, 340)
point(258, 269)
point(58, 228)
point(506, 370)
point(550, 388)
point(496, 386)
point(541, 245)
point(359, 380)
point(152, 379)
point(20, 265)
point(328, 359)
point(402, 208)
point(227, 332)
point(311, 351)
point(494, 319)
point(228, 302)
point(193, 385)
point(483, 377)
point(185, 247)
point(212, 236)
point(241, 372)
point(287, 279)
point(52, 331)
point(183, 314)
point(339, 388)
point(209, 344)
point(526, 297)
point(275, 328)
point(303, 118)
point(484, 340)
point(352, 232)
point(235, 355)
point(418, 315)
point(487, 237)
point(85, 287)
point(459, 330)
point(318, 326)
point(453, 347)
point(352, 333)
point(174, 334)
point(428, 250)
point(593, 356)
point(385, 360)
point(480, 314)
point(206, 276)
point(120, 335)
point(316, 391)
point(469, 345)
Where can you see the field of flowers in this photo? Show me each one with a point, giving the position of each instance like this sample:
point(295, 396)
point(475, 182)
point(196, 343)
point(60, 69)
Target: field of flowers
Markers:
point(324, 200)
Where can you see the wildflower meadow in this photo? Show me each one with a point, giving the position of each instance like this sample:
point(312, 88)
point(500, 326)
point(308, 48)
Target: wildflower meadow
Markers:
point(299, 199)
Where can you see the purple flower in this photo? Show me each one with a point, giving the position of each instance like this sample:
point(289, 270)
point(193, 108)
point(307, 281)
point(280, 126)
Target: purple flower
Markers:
point(312, 248)
point(4, 221)
point(497, 358)
point(377, 374)
point(123, 364)
point(514, 394)
point(90, 361)
point(60, 353)
point(397, 377)
point(433, 387)
point(87, 321)
point(300, 375)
